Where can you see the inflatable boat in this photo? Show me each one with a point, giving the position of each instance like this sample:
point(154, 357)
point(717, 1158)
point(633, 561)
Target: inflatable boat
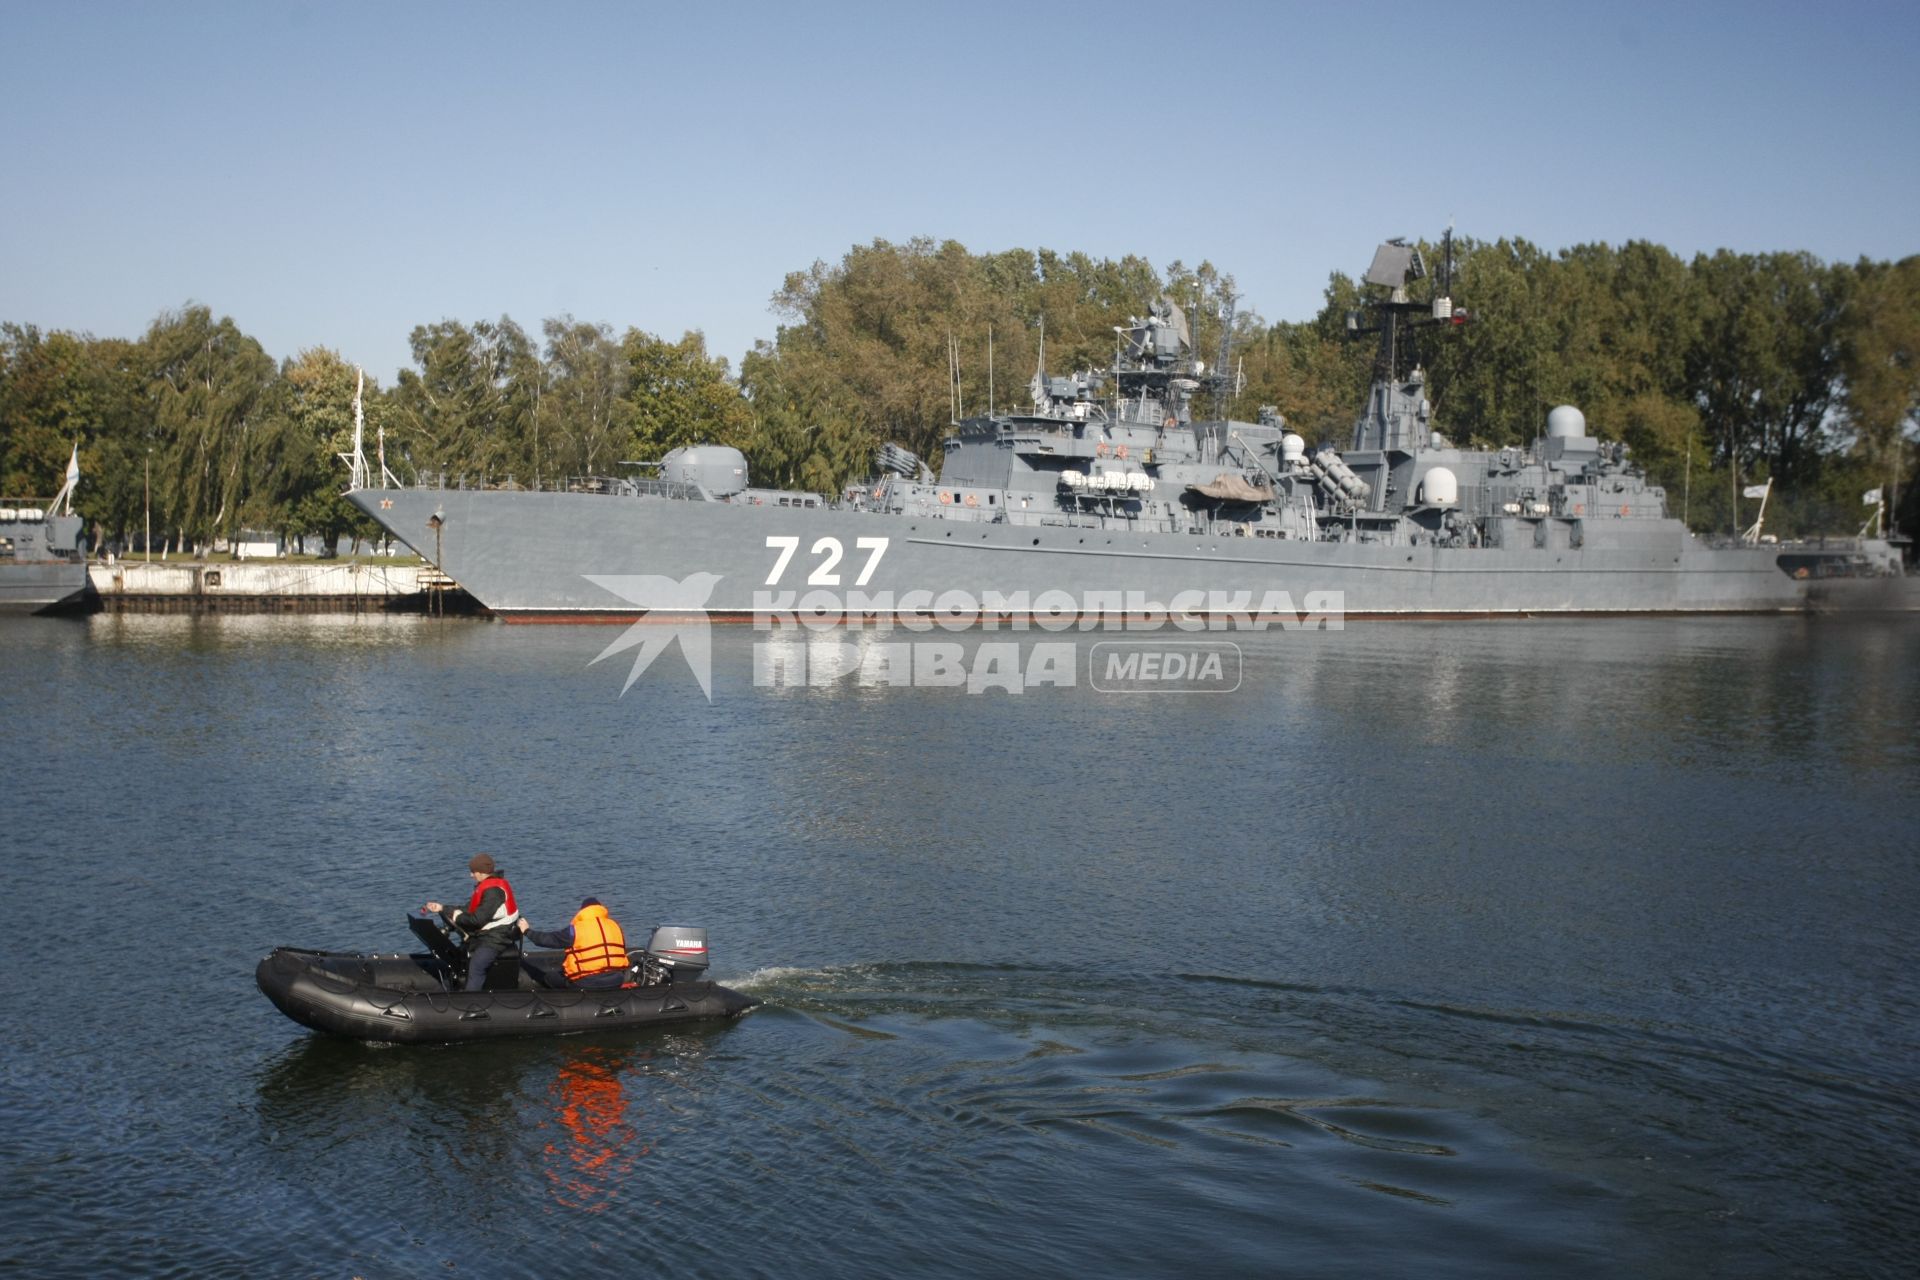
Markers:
point(419, 998)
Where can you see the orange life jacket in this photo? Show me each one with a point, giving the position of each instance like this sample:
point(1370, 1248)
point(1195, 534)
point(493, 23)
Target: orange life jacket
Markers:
point(599, 944)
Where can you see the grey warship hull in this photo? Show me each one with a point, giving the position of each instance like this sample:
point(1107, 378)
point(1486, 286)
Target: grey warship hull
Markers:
point(41, 588)
point(557, 557)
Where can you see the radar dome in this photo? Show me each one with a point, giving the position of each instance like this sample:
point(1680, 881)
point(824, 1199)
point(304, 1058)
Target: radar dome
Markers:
point(1440, 488)
point(1566, 423)
point(1292, 447)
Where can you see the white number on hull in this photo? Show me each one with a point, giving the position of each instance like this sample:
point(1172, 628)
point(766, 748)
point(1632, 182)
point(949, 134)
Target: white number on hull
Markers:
point(787, 547)
point(879, 548)
point(824, 576)
point(831, 550)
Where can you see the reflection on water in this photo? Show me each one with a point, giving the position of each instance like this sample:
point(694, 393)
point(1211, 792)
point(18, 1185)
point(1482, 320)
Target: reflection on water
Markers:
point(591, 1160)
point(450, 1122)
point(166, 635)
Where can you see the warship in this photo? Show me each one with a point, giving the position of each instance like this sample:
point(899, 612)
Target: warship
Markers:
point(1108, 498)
point(42, 565)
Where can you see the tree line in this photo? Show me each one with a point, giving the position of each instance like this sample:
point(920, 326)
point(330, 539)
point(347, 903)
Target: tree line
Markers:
point(1720, 372)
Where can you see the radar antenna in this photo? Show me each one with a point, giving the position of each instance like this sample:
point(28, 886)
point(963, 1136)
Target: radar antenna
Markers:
point(1396, 264)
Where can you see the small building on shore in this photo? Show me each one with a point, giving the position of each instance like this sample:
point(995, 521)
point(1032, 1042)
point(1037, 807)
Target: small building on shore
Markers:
point(253, 544)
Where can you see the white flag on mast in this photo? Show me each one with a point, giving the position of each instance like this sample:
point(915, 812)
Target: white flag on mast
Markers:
point(1756, 490)
point(65, 496)
point(1870, 498)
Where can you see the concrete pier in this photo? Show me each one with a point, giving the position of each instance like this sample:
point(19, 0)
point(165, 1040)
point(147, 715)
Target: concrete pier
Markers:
point(352, 586)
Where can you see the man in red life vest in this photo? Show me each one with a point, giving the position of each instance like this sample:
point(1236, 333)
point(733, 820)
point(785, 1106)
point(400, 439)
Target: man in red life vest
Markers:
point(489, 922)
point(596, 948)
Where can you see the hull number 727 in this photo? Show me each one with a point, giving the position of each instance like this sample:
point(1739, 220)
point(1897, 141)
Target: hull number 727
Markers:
point(830, 551)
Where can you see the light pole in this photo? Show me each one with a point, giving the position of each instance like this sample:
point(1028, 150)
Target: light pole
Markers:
point(149, 497)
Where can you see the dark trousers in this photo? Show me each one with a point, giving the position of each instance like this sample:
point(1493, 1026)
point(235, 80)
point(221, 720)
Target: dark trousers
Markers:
point(479, 960)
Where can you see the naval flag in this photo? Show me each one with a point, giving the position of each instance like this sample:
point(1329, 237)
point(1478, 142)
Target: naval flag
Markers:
point(73, 464)
point(1756, 490)
point(1870, 498)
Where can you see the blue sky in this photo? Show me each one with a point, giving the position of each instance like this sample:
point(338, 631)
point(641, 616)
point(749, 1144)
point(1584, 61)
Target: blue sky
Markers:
point(337, 174)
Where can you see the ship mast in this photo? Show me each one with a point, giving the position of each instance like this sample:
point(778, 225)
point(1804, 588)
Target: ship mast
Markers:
point(1397, 264)
point(1396, 375)
point(357, 460)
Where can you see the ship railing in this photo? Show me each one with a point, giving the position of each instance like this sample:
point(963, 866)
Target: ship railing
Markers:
point(631, 486)
point(1814, 541)
point(438, 480)
point(662, 489)
point(615, 486)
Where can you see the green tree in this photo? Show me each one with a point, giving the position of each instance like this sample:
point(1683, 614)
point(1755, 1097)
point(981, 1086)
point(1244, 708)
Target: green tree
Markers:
point(872, 344)
point(583, 414)
point(61, 389)
point(1765, 368)
point(679, 395)
point(467, 410)
point(303, 473)
point(1082, 299)
point(895, 342)
point(1880, 372)
point(207, 386)
point(1310, 370)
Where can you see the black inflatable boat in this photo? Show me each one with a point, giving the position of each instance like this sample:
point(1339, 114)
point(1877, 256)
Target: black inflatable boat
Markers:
point(418, 999)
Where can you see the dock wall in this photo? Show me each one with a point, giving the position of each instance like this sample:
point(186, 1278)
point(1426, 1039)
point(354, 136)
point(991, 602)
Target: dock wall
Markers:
point(135, 586)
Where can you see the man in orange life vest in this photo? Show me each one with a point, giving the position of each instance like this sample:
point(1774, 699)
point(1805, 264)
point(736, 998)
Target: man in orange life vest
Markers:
point(596, 948)
point(488, 921)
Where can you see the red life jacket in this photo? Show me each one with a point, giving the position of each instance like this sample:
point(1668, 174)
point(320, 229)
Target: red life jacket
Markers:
point(509, 913)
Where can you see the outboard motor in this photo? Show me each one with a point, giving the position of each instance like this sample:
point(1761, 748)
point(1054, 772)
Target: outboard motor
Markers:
point(675, 953)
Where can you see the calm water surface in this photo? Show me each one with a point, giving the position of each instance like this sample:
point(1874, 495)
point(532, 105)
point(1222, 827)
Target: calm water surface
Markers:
point(1577, 947)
